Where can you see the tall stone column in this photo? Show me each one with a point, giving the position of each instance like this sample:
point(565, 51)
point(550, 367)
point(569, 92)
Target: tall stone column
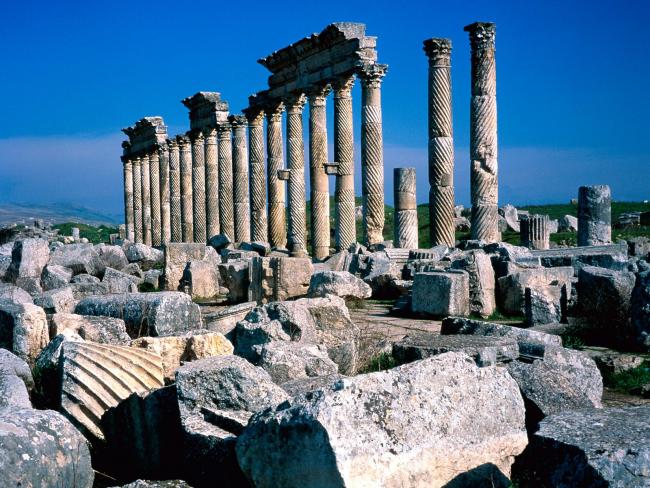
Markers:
point(277, 210)
point(534, 232)
point(406, 212)
point(146, 200)
point(297, 241)
point(441, 144)
point(372, 153)
point(594, 215)
point(257, 174)
point(319, 184)
point(175, 207)
point(165, 222)
point(240, 179)
point(137, 200)
point(483, 134)
point(226, 200)
point(213, 226)
point(154, 188)
point(187, 215)
point(128, 197)
point(198, 187)
point(346, 231)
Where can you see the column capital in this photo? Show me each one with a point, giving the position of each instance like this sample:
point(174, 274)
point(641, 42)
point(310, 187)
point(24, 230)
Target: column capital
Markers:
point(295, 103)
point(274, 111)
point(238, 121)
point(137, 160)
point(438, 50)
point(343, 86)
point(172, 144)
point(183, 141)
point(196, 136)
point(223, 128)
point(318, 94)
point(254, 115)
point(209, 133)
point(481, 35)
point(372, 75)
point(161, 147)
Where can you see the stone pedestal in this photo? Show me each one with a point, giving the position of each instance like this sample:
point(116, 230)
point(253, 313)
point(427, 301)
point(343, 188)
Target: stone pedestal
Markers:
point(257, 174)
point(296, 163)
point(441, 144)
point(146, 200)
point(213, 226)
point(277, 211)
point(198, 187)
point(372, 153)
point(187, 216)
point(594, 215)
point(406, 213)
point(441, 293)
point(174, 191)
point(240, 179)
point(226, 217)
point(165, 222)
point(128, 197)
point(154, 188)
point(534, 232)
point(483, 134)
point(319, 185)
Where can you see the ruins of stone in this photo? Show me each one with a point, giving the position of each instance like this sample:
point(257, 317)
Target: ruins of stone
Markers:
point(220, 340)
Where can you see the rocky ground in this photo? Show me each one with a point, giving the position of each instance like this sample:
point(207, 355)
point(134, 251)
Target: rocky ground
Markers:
point(235, 365)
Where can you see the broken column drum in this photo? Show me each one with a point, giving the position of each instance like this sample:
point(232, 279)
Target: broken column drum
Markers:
point(146, 200)
point(198, 186)
point(187, 216)
point(594, 215)
point(257, 174)
point(154, 191)
point(483, 134)
point(346, 233)
point(406, 213)
point(137, 200)
point(296, 164)
point(441, 144)
point(319, 184)
point(240, 179)
point(372, 153)
point(277, 211)
point(165, 223)
point(174, 191)
point(535, 232)
point(128, 195)
point(212, 224)
point(226, 218)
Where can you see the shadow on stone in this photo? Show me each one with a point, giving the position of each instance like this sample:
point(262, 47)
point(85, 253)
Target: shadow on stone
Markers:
point(486, 475)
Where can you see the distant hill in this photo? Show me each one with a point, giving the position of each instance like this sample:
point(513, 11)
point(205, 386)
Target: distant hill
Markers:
point(54, 213)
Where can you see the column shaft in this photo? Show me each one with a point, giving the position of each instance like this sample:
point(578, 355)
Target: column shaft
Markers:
point(372, 153)
point(154, 175)
point(175, 207)
point(198, 188)
point(211, 183)
point(226, 200)
point(257, 175)
point(276, 192)
point(441, 144)
point(146, 200)
point(346, 232)
point(406, 212)
point(483, 134)
point(296, 163)
point(187, 215)
point(137, 200)
point(240, 179)
point(165, 225)
point(128, 198)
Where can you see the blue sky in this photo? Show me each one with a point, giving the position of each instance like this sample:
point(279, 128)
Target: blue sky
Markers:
point(572, 86)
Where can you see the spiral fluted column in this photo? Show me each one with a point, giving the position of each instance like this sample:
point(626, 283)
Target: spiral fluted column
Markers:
point(137, 200)
point(297, 241)
point(441, 144)
point(257, 174)
point(154, 189)
point(198, 187)
point(406, 212)
point(212, 224)
point(483, 134)
point(319, 184)
point(175, 207)
point(346, 231)
point(145, 170)
point(277, 210)
point(240, 179)
point(226, 200)
point(187, 215)
point(165, 224)
point(128, 197)
point(372, 153)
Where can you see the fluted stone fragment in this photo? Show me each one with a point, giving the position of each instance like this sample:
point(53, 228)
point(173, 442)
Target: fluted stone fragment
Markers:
point(128, 197)
point(594, 215)
point(483, 134)
point(406, 213)
point(319, 184)
point(372, 153)
point(198, 187)
point(346, 232)
point(276, 193)
point(226, 215)
point(154, 188)
point(213, 226)
point(297, 242)
point(165, 222)
point(535, 232)
point(257, 174)
point(187, 216)
point(175, 208)
point(146, 200)
point(441, 144)
point(137, 200)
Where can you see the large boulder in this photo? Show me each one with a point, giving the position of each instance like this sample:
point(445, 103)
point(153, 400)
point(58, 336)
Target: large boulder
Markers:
point(57, 300)
point(28, 258)
point(55, 276)
point(589, 447)
point(13, 392)
point(543, 305)
point(418, 425)
point(178, 254)
point(287, 361)
point(379, 273)
point(120, 282)
point(234, 276)
point(478, 266)
point(80, 258)
point(640, 310)
point(14, 294)
point(512, 288)
point(12, 365)
point(23, 329)
point(568, 223)
point(279, 278)
point(339, 283)
point(604, 297)
point(441, 293)
point(42, 448)
point(112, 256)
point(100, 329)
point(146, 256)
point(146, 314)
point(202, 277)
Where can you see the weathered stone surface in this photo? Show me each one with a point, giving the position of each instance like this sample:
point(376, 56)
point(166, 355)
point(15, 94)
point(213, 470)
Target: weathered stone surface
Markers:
point(477, 264)
point(485, 350)
point(146, 256)
point(279, 278)
point(146, 314)
point(12, 365)
point(57, 300)
point(176, 257)
point(85, 278)
point(120, 282)
point(42, 448)
point(112, 256)
point(302, 386)
point(323, 321)
point(219, 242)
point(202, 277)
point(134, 269)
point(441, 293)
point(510, 216)
point(612, 256)
point(177, 350)
point(594, 215)
point(83, 290)
point(13, 392)
point(568, 223)
point(286, 361)
point(640, 310)
point(14, 294)
point(55, 276)
point(380, 271)
point(153, 277)
point(234, 276)
point(604, 297)
point(28, 258)
point(23, 329)
point(512, 288)
point(30, 285)
point(597, 448)
point(80, 258)
point(5, 262)
point(339, 283)
point(104, 330)
point(157, 484)
point(226, 319)
point(615, 362)
point(543, 305)
point(390, 429)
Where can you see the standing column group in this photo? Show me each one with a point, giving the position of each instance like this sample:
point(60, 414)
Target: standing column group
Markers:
point(154, 193)
point(146, 200)
point(128, 196)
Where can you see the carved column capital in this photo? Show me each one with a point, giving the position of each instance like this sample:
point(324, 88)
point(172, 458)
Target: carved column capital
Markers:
point(254, 115)
point(295, 103)
point(182, 141)
point(238, 121)
point(318, 94)
point(197, 137)
point(274, 112)
point(372, 75)
point(210, 134)
point(223, 129)
point(172, 144)
point(438, 50)
point(481, 35)
point(343, 86)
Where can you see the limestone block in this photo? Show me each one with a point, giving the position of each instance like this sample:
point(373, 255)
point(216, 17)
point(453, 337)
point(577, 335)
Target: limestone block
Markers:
point(339, 283)
point(441, 293)
point(202, 277)
point(568, 223)
point(543, 305)
point(57, 300)
point(103, 330)
point(604, 297)
point(286, 361)
point(23, 329)
point(55, 276)
point(235, 276)
point(80, 258)
point(12, 365)
point(640, 310)
point(14, 294)
point(176, 257)
point(279, 278)
point(482, 297)
point(28, 258)
point(112, 256)
point(512, 288)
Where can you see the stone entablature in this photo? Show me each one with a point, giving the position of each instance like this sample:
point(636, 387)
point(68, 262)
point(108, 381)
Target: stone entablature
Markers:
point(145, 135)
point(207, 110)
